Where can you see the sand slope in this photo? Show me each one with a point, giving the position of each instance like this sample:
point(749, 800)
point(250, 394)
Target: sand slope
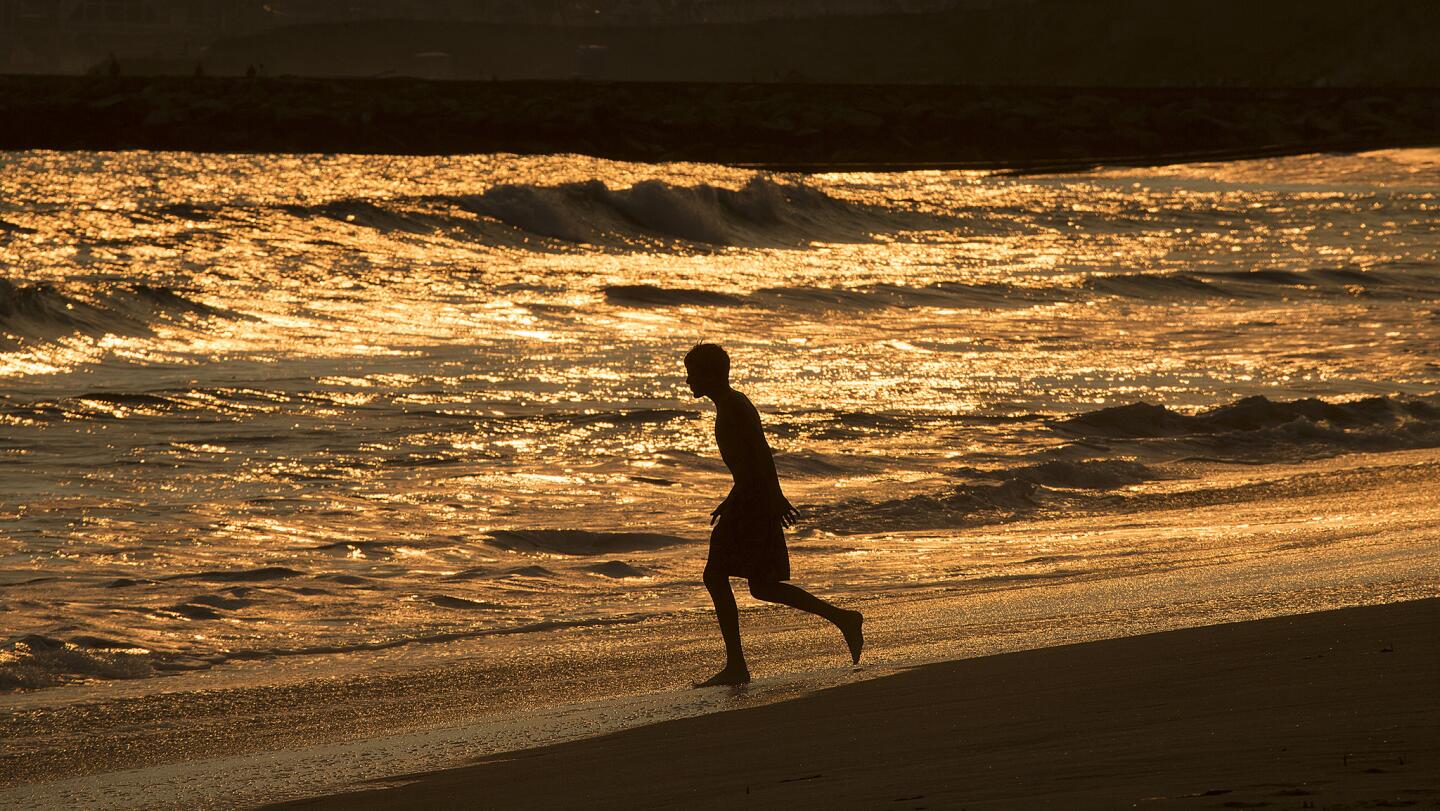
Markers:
point(1334, 709)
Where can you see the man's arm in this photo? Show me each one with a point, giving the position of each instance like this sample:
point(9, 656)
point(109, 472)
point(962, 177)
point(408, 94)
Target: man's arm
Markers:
point(761, 462)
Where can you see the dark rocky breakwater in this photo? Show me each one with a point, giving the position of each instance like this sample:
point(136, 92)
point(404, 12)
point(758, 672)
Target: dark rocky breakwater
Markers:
point(782, 125)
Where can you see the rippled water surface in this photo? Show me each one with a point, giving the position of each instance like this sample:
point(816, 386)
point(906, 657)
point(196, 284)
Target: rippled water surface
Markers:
point(260, 405)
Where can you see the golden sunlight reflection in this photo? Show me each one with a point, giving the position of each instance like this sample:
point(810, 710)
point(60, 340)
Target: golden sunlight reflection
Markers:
point(266, 397)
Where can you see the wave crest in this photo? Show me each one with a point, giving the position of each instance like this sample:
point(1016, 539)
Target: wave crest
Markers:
point(1382, 420)
point(35, 661)
point(961, 506)
point(579, 542)
point(1247, 430)
point(41, 311)
point(762, 212)
point(650, 295)
point(1089, 474)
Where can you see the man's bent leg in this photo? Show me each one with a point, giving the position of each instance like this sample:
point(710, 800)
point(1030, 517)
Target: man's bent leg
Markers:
point(776, 591)
point(849, 622)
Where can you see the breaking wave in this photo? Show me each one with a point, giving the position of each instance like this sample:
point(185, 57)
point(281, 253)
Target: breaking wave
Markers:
point(40, 311)
point(36, 661)
point(865, 297)
point(986, 496)
point(762, 212)
point(1254, 429)
point(1089, 474)
point(1383, 281)
point(579, 542)
point(1260, 427)
point(1153, 287)
point(646, 294)
point(961, 506)
point(240, 575)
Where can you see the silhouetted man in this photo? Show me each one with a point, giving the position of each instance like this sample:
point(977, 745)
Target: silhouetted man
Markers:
point(748, 539)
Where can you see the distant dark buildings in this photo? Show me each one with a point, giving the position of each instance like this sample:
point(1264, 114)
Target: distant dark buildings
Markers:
point(70, 36)
point(1282, 43)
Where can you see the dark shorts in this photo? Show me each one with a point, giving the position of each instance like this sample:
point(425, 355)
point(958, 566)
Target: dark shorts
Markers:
point(749, 543)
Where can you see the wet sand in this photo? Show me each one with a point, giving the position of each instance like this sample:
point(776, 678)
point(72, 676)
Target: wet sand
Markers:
point(1329, 709)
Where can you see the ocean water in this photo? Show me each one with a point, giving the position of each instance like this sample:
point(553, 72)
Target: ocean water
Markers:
point(261, 407)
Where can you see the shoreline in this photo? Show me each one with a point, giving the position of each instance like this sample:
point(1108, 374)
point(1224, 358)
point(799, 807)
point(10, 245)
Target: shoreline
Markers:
point(776, 127)
point(1321, 708)
point(321, 773)
point(252, 734)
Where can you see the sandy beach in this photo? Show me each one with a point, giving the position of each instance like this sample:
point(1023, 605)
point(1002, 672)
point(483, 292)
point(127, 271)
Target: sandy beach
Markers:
point(1018, 671)
point(1334, 709)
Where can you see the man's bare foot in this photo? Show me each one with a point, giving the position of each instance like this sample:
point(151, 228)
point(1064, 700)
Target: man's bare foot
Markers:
point(854, 635)
point(730, 675)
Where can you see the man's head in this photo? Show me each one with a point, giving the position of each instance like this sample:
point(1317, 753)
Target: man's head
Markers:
point(707, 369)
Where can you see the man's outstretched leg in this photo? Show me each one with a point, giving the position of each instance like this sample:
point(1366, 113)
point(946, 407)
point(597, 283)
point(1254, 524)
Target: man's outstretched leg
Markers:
point(728, 614)
point(775, 591)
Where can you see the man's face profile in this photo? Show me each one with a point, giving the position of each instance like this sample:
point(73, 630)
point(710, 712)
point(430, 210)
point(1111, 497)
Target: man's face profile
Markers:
point(692, 379)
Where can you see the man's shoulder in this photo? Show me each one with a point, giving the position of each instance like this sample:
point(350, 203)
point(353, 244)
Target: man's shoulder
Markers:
point(740, 406)
point(737, 398)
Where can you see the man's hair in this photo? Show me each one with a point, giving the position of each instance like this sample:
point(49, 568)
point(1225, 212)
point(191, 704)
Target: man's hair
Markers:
point(709, 359)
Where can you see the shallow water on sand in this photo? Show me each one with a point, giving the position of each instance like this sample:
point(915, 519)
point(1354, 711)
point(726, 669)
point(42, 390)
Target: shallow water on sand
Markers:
point(267, 408)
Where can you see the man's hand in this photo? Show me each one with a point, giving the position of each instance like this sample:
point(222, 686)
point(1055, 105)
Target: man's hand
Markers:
point(788, 514)
point(719, 511)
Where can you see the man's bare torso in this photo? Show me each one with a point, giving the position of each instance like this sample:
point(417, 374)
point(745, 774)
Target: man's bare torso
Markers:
point(742, 442)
